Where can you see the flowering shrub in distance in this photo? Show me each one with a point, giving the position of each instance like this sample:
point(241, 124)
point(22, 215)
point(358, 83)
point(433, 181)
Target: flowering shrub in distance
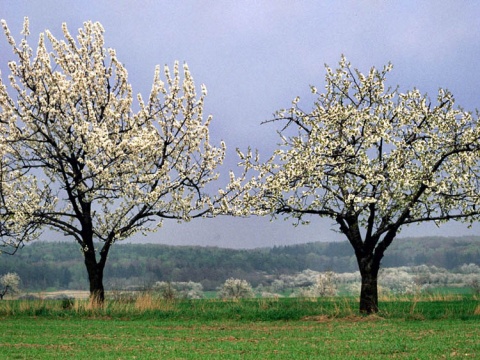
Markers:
point(235, 289)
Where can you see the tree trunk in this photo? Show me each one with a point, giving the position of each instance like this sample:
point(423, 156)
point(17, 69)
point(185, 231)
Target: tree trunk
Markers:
point(369, 252)
point(369, 291)
point(95, 277)
point(369, 294)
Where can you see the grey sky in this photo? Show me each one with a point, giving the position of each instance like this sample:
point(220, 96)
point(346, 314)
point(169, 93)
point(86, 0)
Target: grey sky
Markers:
point(256, 56)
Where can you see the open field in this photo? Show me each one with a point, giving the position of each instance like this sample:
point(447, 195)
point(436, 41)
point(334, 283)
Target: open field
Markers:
point(251, 329)
point(347, 338)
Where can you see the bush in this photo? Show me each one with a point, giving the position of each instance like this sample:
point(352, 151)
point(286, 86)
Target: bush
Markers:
point(235, 289)
point(67, 303)
point(9, 283)
point(397, 281)
point(470, 269)
point(182, 290)
point(475, 285)
point(324, 286)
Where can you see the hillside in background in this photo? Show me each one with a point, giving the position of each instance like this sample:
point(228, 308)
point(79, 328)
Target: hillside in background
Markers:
point(59, 265)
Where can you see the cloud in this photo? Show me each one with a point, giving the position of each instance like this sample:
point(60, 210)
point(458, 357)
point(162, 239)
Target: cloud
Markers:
point(430, 32)
point(256, 56)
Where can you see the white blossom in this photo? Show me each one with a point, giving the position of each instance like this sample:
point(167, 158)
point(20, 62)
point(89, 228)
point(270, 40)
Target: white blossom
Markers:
point(185, 290)
point(385, 158)
point(9, 283)
point(235, 289)
point(324, 285)
point(109, 167)
point(368, 157)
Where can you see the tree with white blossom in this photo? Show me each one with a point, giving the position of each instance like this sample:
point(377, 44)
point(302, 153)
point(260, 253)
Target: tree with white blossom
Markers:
point(235, 289)
point(16, 206)
point(372, 159)
point(9, 283)
point(179, 289)
point(324, 285)
point(103, 170)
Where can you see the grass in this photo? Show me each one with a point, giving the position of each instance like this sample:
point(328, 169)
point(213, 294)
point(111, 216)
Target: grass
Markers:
point(147, 328)
point(147, 306)
point(153, 339)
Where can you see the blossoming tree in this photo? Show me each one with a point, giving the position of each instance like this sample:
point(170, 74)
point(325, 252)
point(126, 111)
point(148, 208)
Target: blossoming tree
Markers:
point(9, 283)
point(16, 205)
point(370, 158)
point(105, 171)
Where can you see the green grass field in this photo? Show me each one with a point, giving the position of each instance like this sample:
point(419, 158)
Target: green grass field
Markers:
point(249, 329)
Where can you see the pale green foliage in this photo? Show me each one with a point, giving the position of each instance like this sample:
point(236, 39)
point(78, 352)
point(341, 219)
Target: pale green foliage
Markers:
point(235, 289)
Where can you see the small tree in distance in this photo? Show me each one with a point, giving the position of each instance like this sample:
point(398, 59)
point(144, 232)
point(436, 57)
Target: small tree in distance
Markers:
point(178, 289)
point(9, 283)
point(103, 171)
point(236, 289)
point(370, 158)
point(324, 286)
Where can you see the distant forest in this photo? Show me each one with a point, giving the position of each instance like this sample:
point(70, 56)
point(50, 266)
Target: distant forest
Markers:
point(59, 265)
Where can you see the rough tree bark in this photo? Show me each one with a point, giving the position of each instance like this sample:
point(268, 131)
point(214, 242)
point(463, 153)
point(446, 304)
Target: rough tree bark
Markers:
point(94, 266)
point(369, 251)
point(369, 289)
point(95, 276)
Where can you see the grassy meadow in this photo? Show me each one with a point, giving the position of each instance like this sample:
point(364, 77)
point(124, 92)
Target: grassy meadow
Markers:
point(427, 327)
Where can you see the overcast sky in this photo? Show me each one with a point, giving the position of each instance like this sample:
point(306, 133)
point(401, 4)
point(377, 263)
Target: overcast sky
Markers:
point(256, 56)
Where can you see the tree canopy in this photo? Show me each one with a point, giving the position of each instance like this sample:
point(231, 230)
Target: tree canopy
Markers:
point(101, 171)
point(369, 157)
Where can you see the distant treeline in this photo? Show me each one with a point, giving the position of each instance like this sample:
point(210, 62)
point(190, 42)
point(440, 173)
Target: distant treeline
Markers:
point(58, 265)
